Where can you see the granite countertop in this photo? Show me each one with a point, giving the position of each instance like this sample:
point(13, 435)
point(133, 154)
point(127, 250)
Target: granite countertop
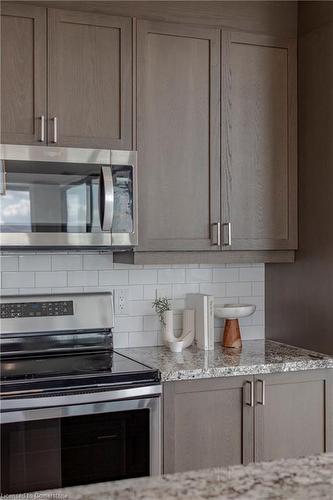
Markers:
point(293, 479)
point(256, 357)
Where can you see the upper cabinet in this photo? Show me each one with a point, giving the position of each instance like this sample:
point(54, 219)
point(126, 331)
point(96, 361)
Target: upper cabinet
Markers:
point(259, 142)
point(199, 191)
point(212, 113)
point(89, 85)
point(178, 120)
point(23, 74)
point(89, 80)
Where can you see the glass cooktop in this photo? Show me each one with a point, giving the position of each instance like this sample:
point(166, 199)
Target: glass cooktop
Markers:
point(73, 370)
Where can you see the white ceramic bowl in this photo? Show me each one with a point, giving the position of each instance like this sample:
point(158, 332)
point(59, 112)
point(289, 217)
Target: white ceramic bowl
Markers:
point(234, 311)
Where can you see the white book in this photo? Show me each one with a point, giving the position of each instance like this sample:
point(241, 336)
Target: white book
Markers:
point(204, 318)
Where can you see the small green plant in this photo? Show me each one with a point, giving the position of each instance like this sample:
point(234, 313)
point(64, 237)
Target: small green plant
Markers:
point(161, 304)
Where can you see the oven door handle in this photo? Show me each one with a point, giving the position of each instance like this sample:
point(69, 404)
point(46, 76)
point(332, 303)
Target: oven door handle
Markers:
point(106, 198)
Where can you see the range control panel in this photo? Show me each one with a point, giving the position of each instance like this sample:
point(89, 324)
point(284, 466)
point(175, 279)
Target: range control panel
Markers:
point(36, 309)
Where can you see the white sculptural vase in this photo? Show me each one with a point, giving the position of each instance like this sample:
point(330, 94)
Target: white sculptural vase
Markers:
point(167, 328)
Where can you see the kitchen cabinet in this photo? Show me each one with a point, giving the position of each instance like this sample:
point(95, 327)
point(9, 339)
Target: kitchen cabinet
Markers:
point(82, 62)
point(259, 141)
point(207, 423)
point(90, 80)
point(200, 192)
point(23, 75)
point(178, 119)
point(234, 420)
point(296, 418)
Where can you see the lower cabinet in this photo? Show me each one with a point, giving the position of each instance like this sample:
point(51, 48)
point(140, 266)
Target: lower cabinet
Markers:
point(237, 420)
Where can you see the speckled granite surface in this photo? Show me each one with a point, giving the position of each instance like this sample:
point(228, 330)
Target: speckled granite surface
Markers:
point(257, 356)
point(293, 479)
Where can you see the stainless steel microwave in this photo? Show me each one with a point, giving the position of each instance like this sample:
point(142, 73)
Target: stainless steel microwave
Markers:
point(53, 197)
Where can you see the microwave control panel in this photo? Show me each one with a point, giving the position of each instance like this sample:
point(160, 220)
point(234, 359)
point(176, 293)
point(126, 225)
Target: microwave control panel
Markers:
point(36, 309)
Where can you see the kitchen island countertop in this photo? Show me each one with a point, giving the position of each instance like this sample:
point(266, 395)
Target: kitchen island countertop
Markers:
point(309, 478)
point(256, 357)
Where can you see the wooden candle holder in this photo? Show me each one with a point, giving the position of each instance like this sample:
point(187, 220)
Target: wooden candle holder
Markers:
point(231, 335)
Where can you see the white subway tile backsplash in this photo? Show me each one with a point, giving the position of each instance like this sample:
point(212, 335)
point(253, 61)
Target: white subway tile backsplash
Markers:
point(35, 263)
point(226, 275)
point(142, 339)
point(82, 278)
point(34, 291)
point(140, 307)
point(142, 276)
point(129, 324)
point(51, 278)
point(66, 262)
point(17, 279)
point(92, 262)
point(253, 332)
point(120, 339)
point(239, 288)
point(113, 277)
point(151, 323)
point(171, 275)
point(198, 275)
point(153, 291)
point(180, 290)
point(135, 292)
point(8, 263)
point(258, 288)
point(64, 272)
point(9, 291)
point(252, 274)
point(216, 289)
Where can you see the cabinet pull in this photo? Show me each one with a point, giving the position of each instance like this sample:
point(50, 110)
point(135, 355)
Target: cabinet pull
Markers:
point(262, 399)
point(42, 128)
point(2, 178)
point(251, 402)
point(55, 129)
point(216, 242)
point(227, 234)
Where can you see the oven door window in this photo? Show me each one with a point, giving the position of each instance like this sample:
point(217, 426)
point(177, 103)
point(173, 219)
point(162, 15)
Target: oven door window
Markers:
point(50, 197)
point(74, 450)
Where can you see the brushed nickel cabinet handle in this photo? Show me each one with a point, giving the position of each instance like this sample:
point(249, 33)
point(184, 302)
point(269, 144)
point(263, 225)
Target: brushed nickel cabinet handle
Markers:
point(251, 402)
point(227, 234)
point(42, 128)
point(262, 399)
point(55, 129)
point(3, 180)
point(216, 242)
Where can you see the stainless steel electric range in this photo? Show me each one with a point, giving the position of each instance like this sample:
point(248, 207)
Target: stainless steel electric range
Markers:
point(73, 410)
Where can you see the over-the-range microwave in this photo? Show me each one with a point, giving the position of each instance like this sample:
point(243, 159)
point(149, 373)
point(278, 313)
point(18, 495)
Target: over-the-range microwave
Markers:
point(53, 197)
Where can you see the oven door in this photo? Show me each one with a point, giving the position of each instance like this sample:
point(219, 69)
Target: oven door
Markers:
point(64, 197)
point(80, 444)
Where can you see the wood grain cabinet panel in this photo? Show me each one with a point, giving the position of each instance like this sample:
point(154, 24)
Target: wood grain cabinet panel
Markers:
point(206, 424)
point(215, 422)
point(296, 418)
point(259, 141)
point(23, 73)
point(90, 80)
point(178, 135)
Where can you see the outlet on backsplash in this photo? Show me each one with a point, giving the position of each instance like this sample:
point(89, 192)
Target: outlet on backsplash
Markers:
point(121, 301)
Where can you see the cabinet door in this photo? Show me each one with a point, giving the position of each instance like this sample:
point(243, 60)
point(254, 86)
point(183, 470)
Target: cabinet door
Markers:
point(178, 116)
point(90, 75)
point(259, 142)
point(207, 424)
point(293, 415)
point(23, 75)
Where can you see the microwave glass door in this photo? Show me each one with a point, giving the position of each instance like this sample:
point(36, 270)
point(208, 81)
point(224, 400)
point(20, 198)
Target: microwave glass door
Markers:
point(55, 197)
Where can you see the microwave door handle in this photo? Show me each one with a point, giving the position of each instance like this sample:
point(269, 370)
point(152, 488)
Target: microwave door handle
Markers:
point(106, 199)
